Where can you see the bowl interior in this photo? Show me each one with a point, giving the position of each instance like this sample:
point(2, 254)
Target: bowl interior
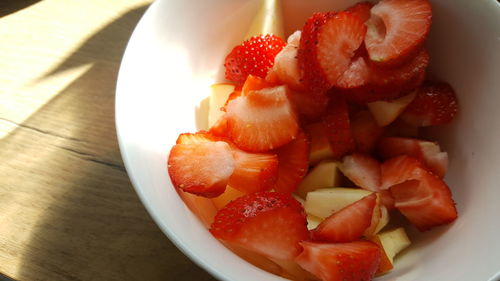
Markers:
point(176, 52)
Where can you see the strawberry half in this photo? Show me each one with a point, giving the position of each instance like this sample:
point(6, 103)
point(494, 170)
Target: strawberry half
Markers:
point(347, 224)
point(366, 82)
point(254, 56)
point(338, 127)
point(352, 261)
point(361, 10)
point(309, 106)
point(365, 131)
point(201, 168)
point(293, 164)
point(424, 199)
point(327, 44)
point(426, 151)
point(269, 223)
point(362, 170)
point(397, 29)
point(261, 120)
point(435, 104)
point(253, 172)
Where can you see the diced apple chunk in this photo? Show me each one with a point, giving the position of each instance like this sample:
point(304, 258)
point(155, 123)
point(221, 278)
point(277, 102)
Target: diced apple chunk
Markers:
point(313, 221)
point(392, 242)
point(387, 111)
point(324, 202)
point(218, 97)
point(325, 174)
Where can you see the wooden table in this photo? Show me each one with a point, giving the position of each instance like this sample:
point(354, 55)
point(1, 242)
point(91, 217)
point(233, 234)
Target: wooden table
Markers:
point(67, 208)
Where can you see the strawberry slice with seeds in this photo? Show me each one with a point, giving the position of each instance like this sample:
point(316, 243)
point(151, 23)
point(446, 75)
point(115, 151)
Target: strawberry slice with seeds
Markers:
point(338, 127)
point(269, 223)
point(293, 164)
point(361, 10)
point(254, 56)
point(327, 44)
point(423, 198)
point(397, 29)
point(253, 172)
point(352, 261)
point(435, 104)
point(426, 151)
point(261, 120)
point(201, 168)
point(365, 131)
point(347, 224)
point(363, 170)
point(366, 82)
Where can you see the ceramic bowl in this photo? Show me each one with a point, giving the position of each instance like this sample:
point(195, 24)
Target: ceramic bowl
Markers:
point(176, 52)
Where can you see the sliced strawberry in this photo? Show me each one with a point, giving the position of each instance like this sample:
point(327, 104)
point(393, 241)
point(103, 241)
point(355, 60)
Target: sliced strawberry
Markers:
point(386, 199)
point(254, 56)
point(201, 168)
point(338, 128)
point(424, 199)
point(365, 131)
point(261, 120)
point(396, 29)
point(253, 172)
point(347, 224)
point(293, 163)
point(201, 136)
point(252, 83)
point(286, 68)
point(327, 44)
point(426, 151)
point(435, 104)
point(220, 128)
point(309, 106)
point(365, 82)
point(361, 10)
point(362, 170)
point(269, 223)
point(352, 261)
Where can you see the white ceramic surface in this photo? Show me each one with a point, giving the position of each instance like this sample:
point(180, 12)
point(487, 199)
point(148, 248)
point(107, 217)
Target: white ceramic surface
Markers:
point(176, 52)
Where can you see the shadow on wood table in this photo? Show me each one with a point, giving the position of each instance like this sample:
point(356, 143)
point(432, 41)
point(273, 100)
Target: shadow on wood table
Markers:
point(90, 224)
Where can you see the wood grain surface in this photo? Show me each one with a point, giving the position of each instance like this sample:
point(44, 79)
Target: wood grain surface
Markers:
point(67, 208)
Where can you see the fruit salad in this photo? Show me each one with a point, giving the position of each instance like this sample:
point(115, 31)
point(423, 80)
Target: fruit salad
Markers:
point(314, 143)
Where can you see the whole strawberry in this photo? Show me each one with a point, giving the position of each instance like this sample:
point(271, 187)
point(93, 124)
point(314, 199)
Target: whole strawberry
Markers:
point(254, 56)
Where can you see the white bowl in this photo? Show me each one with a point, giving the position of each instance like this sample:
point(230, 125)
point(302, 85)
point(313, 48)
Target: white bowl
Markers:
point(176, 52)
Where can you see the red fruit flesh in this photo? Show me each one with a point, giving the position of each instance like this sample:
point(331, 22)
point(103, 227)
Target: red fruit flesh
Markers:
point(253, 172)
point(261, 120)
point(269, 223)
point(201, 168)
point(424, 199)
point(347, 224)
point(361, 10)
point(338, 128)
point(365, 131)
point(427, 152)
point(365, 82)
point(327, 44)
point(396, 29)
point(352, 261)
point(293, 164)
point(435, 104)
point(309, 106)
point(362, 170)
point(254, 56)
